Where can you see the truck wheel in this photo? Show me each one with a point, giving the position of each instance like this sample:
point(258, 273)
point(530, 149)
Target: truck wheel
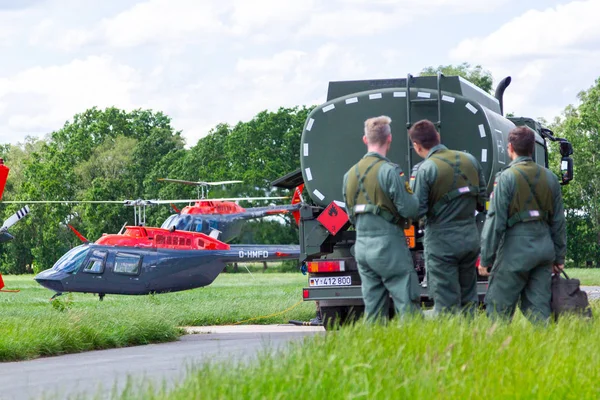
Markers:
point(333, 317)
point(354, 313)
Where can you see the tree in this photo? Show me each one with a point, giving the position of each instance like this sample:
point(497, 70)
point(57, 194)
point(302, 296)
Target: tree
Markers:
point(581, 126)
point(476, 75)
point(99, 155)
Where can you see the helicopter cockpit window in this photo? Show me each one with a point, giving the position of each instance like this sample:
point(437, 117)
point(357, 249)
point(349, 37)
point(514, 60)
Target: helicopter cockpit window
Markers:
point(197, 226)
point(184, 223)
point(95, 264)
point(128, 264)
point(71, 261)
point(169, 221)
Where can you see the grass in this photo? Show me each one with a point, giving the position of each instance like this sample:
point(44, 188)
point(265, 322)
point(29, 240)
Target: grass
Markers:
point(587, 276)
point(449, 358)
point(32, 326)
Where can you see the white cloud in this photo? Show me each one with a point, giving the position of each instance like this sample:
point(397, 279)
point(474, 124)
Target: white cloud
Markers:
point(564, 30)
point(40, 99)
point(551, 54)
point(163, 21)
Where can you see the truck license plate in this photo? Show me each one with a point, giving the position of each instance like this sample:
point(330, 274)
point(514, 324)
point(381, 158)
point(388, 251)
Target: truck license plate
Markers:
point(331, 281)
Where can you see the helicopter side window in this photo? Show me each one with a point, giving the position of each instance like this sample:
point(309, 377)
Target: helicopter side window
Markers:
point(128, 264)
point(95, 264)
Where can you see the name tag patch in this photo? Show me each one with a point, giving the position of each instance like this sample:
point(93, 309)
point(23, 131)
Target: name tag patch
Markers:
point(463, 189)
point(534, 213)
point(360, 208)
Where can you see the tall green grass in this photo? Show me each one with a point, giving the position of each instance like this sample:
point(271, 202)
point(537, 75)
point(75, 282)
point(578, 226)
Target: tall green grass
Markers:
point(587, 276)
point(448, 358)
point(32, 326)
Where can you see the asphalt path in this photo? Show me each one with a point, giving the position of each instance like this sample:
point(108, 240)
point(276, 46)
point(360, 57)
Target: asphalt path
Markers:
point(102, 373)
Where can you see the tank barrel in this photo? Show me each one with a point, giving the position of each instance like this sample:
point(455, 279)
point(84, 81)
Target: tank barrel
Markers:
point(500, 92)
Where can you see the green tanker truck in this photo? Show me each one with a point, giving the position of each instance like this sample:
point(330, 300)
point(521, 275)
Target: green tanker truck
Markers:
point(468, 119)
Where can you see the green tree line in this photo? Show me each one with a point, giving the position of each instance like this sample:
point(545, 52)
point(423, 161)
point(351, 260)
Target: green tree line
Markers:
point(116, 155)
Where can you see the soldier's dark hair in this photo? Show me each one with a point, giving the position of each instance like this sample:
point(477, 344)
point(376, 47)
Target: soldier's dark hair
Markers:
point(424, 133)
point(523, 140)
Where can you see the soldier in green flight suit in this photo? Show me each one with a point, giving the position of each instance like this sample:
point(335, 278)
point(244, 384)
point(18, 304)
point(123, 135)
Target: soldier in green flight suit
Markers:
point(449, 186)
point(379, 202)
point(524, 235)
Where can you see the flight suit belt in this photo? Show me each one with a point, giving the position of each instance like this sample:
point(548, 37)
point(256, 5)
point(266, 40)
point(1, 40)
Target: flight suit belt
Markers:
point(527, 216)
point(454, 224)
point(373, 209)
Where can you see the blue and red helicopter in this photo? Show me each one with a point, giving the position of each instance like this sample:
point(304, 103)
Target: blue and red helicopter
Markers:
point(190, 249)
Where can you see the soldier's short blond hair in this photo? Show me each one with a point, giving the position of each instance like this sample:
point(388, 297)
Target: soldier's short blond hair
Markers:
point(377, 130)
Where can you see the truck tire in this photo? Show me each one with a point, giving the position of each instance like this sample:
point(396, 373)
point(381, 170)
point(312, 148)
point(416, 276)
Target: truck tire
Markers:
point(334, 317)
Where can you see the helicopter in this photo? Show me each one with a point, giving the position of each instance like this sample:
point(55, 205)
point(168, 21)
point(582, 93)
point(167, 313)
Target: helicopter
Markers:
point(143, 260)
point(226, 217)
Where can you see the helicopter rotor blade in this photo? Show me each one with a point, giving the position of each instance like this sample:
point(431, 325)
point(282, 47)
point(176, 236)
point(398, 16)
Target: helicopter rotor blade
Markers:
point(221, 183)
point(63, 201)
point(13, 219)
point(199, 183)
point(221, 199)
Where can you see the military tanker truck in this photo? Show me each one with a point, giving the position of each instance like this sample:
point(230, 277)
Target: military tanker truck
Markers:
point(468, 119)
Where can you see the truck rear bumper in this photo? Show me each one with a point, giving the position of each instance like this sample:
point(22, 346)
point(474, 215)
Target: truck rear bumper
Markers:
point(352, 295)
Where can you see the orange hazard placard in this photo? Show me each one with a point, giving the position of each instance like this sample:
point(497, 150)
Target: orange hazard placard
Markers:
point(411, 242)
point(333, 218)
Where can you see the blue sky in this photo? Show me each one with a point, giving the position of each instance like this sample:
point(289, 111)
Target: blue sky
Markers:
point(208, 61)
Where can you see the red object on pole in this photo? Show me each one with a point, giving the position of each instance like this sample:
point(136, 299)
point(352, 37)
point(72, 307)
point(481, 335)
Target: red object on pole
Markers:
point(4, 170)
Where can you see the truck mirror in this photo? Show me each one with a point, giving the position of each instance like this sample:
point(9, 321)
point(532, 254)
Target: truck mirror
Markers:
point(566, 149)
point(566, 169)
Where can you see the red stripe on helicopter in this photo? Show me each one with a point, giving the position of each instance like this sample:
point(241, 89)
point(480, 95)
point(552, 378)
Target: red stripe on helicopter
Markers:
point(143, 237)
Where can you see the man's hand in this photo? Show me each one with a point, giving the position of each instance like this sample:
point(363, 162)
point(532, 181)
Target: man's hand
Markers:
point(557, 268)
point(483, 271)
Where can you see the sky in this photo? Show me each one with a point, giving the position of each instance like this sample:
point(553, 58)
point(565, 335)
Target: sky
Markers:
point(204, 62)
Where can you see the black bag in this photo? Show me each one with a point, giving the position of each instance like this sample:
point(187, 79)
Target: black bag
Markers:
point(568, 298)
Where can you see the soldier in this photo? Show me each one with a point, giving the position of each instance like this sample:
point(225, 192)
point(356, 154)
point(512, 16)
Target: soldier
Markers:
point(449, 186)
point(525, 232)
point(379, 202)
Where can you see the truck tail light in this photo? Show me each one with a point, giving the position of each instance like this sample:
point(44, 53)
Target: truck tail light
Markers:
point(305, 293)
point(326, 266)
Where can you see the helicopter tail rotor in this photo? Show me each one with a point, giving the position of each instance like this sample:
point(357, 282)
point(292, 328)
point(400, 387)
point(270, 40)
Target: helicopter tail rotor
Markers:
point(79, 235)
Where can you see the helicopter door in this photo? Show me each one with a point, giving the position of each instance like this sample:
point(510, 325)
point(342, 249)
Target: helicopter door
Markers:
point(91, 275)
point(125, 276)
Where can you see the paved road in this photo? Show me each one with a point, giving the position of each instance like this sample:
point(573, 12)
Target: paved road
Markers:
point(593, 292)
point(87, 373)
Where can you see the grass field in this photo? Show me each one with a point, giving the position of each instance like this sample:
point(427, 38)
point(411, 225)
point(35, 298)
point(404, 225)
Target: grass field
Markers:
point(587, 276)
point(31, 326)
point(441, 358)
